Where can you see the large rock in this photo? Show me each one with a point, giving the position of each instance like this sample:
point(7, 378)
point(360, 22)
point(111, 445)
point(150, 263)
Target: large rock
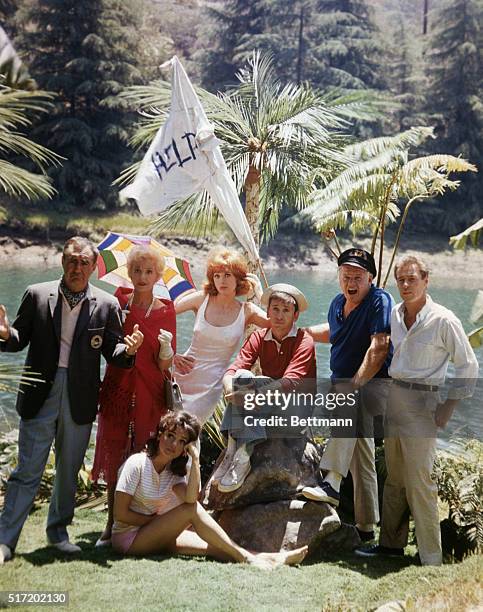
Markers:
point(344, 539)
point(281, 467)
point(280, 525)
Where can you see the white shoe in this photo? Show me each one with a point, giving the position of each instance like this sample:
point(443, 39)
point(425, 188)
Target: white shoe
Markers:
point(66, 547)
point(237, 472)
point(324, 493)
point(226, 461)
point(5, 553)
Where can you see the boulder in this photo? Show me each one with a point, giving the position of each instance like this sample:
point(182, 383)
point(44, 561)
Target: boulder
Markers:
point(344, 539)
point(281, 467)
point(280, 525)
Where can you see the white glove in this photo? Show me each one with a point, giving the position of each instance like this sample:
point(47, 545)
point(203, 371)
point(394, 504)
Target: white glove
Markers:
point(257, 290)
point(165, 349)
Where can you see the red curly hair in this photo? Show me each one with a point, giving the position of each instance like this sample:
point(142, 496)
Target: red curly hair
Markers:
point(220, 259)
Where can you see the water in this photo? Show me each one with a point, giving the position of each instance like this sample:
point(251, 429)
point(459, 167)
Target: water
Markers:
point(319, 292)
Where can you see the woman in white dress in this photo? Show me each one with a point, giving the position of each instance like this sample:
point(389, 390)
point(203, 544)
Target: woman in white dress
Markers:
point(220, 324)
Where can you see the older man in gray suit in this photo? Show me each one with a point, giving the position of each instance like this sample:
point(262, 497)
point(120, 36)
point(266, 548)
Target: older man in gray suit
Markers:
point(67, 324)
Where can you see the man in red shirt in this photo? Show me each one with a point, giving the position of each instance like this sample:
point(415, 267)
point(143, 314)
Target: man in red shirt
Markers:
point(287, 362)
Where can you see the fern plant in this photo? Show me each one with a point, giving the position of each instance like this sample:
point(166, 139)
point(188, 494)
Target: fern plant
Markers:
point(460, 485)
point(379, 181)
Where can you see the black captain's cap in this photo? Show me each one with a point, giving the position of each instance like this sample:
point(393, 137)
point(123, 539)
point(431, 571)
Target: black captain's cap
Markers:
point(358, 258)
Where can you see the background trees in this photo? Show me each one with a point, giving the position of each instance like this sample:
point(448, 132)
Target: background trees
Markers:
point(330, 43)
point(86, 52)
point(454, 96)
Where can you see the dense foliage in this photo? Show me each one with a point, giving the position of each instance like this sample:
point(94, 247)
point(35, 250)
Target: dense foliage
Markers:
point(454, 100)
point(86, 53)
point(425, 71)
point(325, 42)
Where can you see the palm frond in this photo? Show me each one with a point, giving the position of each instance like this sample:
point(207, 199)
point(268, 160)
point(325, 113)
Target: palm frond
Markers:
point(11, 376)
point(441, 163)
point(471, 233)
point(367, 149)
point(212, 427)
point(19, 182)
point(196, 216)
point(14, 180)
point(13, 142)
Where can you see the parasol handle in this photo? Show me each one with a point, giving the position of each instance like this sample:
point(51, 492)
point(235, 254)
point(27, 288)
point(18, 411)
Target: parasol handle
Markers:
point(262, 271)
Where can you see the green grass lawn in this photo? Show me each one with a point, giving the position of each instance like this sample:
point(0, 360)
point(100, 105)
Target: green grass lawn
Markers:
point(99, 579)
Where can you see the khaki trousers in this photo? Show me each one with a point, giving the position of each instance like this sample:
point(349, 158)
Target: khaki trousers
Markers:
point(410, 450)
point(356, 454)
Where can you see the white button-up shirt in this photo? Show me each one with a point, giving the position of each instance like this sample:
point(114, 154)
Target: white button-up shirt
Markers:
point(422, 353)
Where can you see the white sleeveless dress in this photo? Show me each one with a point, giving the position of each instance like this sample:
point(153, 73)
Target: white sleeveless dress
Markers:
point(212, 348)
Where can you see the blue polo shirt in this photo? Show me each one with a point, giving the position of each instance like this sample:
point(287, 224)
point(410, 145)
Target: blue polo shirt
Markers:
point(351, 337)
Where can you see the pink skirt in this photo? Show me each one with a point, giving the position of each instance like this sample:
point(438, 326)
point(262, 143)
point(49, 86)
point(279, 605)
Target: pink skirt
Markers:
point(121, 542)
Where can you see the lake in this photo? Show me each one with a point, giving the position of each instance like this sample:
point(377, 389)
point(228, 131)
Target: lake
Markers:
point(319, 292)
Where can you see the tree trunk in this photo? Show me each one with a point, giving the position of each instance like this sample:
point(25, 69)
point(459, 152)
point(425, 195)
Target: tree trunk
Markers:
point(425, 16)
point(252, 206)
point(300, 58)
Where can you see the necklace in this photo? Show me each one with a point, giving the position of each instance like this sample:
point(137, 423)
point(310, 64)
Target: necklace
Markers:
point(148, 311)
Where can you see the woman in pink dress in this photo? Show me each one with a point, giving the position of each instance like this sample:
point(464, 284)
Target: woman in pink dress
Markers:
point(220, 324)
point(132, 401)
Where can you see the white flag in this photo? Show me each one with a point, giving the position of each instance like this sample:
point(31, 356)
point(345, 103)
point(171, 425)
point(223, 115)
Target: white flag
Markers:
point(185, 158)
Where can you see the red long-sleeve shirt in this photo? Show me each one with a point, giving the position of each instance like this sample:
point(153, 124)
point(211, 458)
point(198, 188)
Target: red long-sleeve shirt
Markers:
point(294, 361)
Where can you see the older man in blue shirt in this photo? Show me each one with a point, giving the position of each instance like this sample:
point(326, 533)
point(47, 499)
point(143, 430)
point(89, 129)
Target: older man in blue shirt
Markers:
point(358, 329)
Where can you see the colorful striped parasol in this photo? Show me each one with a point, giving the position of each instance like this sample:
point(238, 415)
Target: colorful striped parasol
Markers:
point(112, 265)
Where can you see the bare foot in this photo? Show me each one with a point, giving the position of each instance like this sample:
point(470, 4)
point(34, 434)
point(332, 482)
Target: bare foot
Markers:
point(271, 561)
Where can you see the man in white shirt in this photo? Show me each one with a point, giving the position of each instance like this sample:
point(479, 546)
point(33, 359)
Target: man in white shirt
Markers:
point(425, 337)
point(67, 325)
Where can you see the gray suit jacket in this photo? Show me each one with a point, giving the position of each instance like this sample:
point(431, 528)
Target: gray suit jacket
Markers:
point(98, 330)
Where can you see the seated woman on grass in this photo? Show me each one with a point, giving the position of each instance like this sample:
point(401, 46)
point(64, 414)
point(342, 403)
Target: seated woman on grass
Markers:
point(155, 503)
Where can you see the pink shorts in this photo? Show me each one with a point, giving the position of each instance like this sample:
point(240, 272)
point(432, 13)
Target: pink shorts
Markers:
point(121, 542)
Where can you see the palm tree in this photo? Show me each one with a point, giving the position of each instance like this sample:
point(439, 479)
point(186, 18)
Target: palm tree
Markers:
point(15, 106)
point(277, 140)
point(379, 182)
point(17, 100)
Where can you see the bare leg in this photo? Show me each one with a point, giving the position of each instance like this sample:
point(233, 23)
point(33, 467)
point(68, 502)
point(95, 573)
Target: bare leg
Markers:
point(162, 531)
point(166, 532)
point(106, 534)
point(190, 543)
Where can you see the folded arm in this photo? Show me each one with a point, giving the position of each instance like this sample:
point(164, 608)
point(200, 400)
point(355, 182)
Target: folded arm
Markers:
point(373, 360)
